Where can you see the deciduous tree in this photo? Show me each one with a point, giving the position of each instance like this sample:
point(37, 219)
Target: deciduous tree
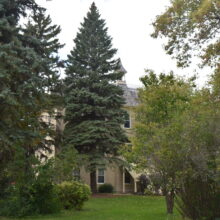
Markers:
point(191, 28)
point(157, 145)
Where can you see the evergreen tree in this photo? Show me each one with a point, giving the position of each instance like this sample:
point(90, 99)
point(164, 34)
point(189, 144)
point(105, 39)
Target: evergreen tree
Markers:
point(15, 91)
point(23, 82)
point(93, 101)
point(40, 27)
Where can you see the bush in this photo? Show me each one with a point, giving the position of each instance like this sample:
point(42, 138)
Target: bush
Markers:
point(32, 194)
point(144, 182)
point(30, 199)
point(73, 194)
point(106, 188)
point(148, 192)
point(198, 199)
point(156, 183)
point(45, 198)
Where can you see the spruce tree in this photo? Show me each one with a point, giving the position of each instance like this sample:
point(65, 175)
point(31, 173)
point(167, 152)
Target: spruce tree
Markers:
point(17, 82)
point(40, 27)
point(24, 78)
point(93, 101)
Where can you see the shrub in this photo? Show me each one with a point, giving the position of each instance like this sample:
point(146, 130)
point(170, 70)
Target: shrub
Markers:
point(198, 198)
point(144, 182)
point(156, 183)
point(105, 188)
point(30, 199)
point(73, 194)
point(45, 198)
point(148, 192)
point(34, 193)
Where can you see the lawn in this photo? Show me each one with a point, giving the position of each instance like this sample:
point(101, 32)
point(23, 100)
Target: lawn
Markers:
point(115, 208)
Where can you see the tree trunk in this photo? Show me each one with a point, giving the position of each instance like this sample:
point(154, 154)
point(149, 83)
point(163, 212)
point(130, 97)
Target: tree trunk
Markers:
point(169, 196)
point(93, 183)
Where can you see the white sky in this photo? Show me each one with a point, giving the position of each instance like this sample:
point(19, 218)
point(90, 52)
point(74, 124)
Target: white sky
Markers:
point(129, 23)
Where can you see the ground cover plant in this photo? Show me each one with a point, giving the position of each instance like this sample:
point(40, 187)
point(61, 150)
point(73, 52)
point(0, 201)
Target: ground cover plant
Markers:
point(115, 208)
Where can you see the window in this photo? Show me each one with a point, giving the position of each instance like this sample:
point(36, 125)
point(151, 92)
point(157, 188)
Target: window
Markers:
point(101, 176)
point(127, 177)
point(76, 174)
point(127, 123)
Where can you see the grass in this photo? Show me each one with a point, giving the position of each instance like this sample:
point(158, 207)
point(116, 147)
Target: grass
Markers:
point(115, 208)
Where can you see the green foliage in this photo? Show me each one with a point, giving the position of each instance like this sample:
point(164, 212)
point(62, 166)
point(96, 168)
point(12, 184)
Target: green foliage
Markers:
point(148, 192)
point(31, 197)
point(156, 183)
point(73, 194)
point(150, 184)
point(25, 81)
point(64, 164)
point(21, 93)
point(40, 27)
point(156, 131)
point(106, 188)
point(199, 181)
point(157, 147)
point(144, 182)
point(199, 199)
point(176, 139)
point(38, 198)
point(16, 204)
point(93, 100)
point(192, 28)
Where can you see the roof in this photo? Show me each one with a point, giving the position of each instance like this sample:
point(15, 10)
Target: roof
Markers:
point(130, 94)
point(122, 69)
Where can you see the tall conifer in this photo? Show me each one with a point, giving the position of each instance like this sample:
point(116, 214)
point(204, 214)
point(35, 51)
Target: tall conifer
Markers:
point(23, 82)
point(47, 45)
point(93, 100)
point(40, 27)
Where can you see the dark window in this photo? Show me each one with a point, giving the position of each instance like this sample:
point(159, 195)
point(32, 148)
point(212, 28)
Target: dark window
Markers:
point(127, 177)
point(127, 123)
point(101, 176)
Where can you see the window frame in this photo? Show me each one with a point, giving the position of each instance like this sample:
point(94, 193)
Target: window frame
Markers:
point(98, 175)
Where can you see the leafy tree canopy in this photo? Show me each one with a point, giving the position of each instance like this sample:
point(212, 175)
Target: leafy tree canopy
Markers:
point(191, 28)
point(156, 144)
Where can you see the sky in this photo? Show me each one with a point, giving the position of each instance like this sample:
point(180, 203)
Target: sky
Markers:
point(129, 23)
